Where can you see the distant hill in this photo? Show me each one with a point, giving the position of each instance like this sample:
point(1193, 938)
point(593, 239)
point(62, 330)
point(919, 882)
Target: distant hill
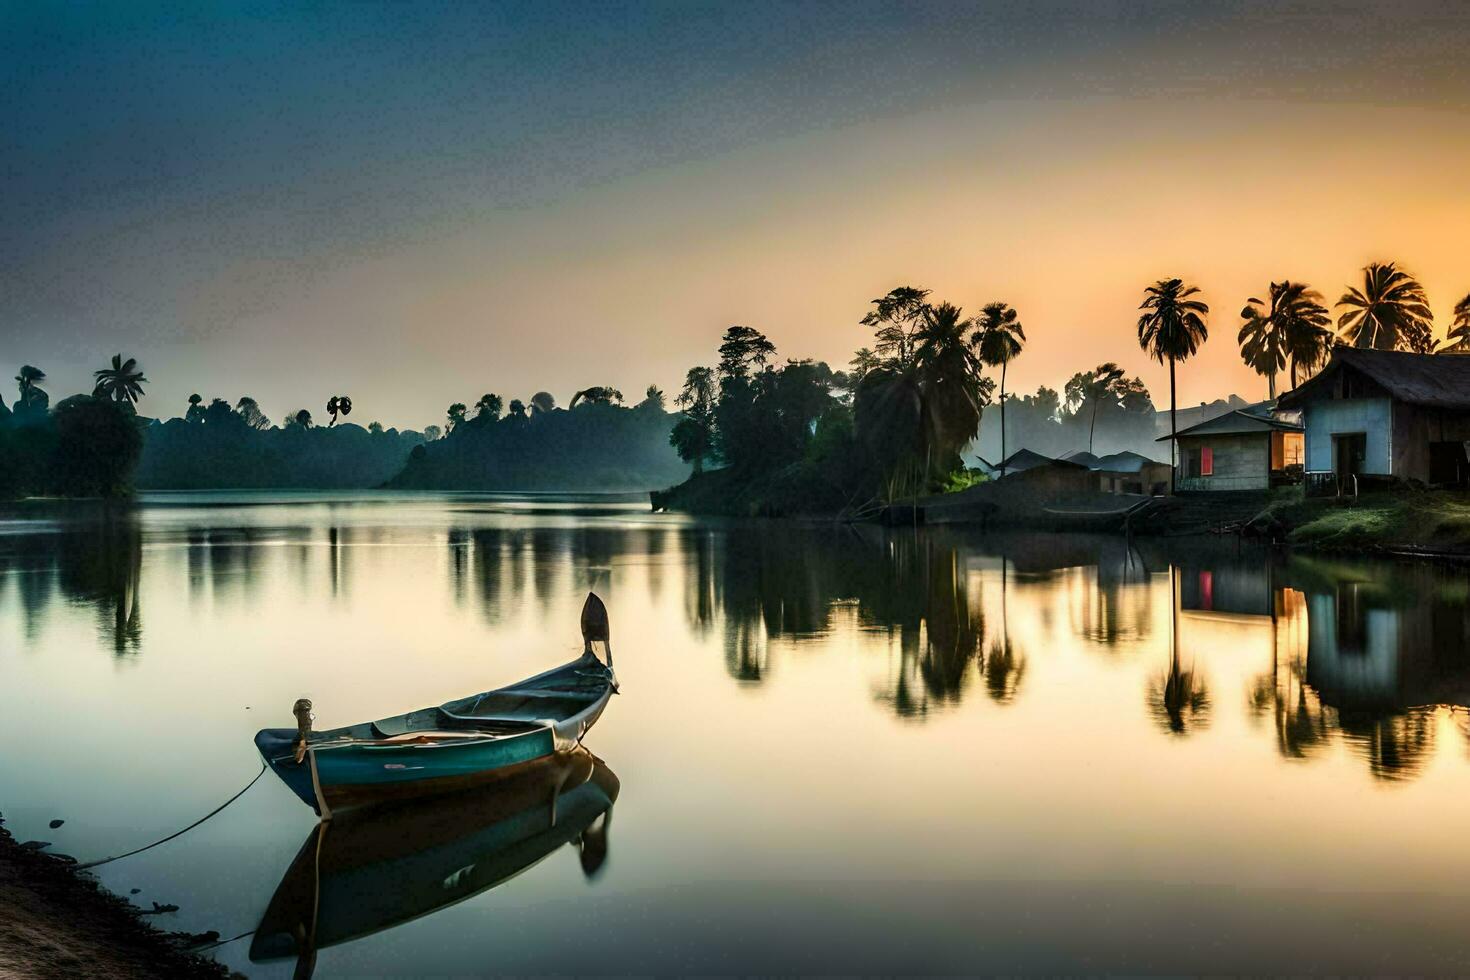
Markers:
point(595, 446)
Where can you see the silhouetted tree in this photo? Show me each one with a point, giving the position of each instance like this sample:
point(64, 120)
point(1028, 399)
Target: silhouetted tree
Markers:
point(517, 408)
point(653, 400)
point(1458, 341)
point(251, 414)
point(432, 432)
point(302, 419)
point(914, 417)
point(998, 339)
point(862, 362)
point(693, 436)
point(122, 381)
point(455, 415)
point(97, 447)
point(29, 380)
point(195, 412)
point(597, 395)
point(1295, 326)
point(896, 319)
point(1091, 389)
point(1171, 329)
point(488, 408)
point(1390, 311)
point(219, 413)
point(375, 428)
point(338, 404)
point(542, 401)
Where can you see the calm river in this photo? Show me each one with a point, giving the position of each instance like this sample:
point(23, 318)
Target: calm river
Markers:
point(836, 749)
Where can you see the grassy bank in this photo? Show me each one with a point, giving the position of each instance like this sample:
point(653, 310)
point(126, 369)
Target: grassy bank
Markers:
point(55, 922)
point(1401, 520)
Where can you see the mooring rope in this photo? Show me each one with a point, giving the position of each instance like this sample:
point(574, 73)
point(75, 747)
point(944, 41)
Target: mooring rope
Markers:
point(140, 850)
point(217, 945)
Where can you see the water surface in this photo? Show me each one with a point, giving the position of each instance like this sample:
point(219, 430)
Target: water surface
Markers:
point(836, 749)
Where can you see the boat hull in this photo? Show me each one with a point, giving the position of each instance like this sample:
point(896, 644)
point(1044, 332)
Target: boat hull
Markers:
point(438, 750)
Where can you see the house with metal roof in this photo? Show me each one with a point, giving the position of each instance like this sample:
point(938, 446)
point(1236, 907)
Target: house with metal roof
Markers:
point(1251, 448)
point(1381, 416)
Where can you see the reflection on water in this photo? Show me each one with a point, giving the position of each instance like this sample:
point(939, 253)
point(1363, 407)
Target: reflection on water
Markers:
point(775, 675)
point(1358, 650)
point(372, 869)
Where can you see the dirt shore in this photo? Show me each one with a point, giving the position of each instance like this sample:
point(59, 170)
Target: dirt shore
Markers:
point(56, 922)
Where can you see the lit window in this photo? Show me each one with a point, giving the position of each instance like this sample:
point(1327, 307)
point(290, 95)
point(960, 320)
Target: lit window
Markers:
point(1206, 461)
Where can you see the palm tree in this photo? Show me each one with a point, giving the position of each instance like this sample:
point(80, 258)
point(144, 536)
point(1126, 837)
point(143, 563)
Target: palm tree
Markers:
point(917, 416)
point(1295, 327)
point(1262, 345)
point(998, 339)
point(1458, 341)
point(1307, 327)
point(30, 378)
point(1171, 329)
point(122, 382)
point(949, 375)
point(1091, 388)
point(1390, 312)
point(336, 404)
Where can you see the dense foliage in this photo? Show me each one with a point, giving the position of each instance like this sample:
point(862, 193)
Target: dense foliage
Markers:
point(87, 447)
point(222, 450)
point(801, 437)
point(597, 445)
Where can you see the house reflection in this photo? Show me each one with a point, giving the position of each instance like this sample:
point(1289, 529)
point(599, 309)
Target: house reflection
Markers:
point(1360, 652)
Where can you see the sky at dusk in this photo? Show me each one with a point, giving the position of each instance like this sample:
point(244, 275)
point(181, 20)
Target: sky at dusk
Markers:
point(418, 203)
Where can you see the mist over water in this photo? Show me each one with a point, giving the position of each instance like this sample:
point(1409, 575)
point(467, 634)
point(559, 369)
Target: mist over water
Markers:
point(837, 748)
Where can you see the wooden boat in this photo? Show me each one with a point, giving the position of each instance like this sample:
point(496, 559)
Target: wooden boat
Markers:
point(378, 867)
point(457, 744)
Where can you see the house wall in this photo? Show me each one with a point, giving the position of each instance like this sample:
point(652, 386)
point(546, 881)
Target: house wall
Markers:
point(1242, 462)
point(1372, 416)
point(1414, 428)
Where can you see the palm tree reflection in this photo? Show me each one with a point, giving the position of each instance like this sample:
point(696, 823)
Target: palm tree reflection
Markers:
point(1004, 664)
point(1178, 698)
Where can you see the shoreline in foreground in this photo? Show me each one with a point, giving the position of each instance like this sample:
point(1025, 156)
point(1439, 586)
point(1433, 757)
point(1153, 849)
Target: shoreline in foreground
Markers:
point(59, 922)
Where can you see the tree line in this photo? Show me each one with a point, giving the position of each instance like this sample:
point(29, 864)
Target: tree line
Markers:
point(596, 443)
point(805, 437)
point(98, 445)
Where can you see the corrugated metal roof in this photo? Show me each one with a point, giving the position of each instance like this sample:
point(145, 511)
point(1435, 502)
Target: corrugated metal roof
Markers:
point(1238, 422)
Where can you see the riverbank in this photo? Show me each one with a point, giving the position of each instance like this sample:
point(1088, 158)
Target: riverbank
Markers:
point(799, 490)
point(1429, 522)
point(56, 922)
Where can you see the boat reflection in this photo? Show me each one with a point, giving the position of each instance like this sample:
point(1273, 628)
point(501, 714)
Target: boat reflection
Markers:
point(376, 868)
